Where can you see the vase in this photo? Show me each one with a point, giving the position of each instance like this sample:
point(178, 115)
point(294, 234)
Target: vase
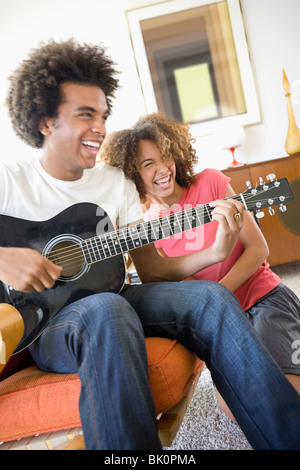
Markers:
point(292, 143)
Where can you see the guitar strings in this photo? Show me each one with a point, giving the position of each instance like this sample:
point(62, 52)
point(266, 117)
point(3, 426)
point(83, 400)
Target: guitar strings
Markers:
point(71, 260)
point(103, 238)
point(102, 242)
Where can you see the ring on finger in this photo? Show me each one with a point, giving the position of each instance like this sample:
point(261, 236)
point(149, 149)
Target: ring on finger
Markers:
point(237, 216)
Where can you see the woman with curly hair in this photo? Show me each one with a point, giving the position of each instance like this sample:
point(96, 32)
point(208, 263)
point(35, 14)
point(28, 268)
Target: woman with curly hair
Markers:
point(121, 149)
point(157, 155)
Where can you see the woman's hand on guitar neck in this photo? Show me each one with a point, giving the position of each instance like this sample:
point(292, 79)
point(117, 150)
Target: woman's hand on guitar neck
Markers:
point(27, 270)
point(230, 216)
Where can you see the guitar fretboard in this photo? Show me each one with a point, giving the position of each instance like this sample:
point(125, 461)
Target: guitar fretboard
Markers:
point(123, 240)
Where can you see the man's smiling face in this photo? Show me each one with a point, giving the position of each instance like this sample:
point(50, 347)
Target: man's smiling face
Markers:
point(73, 138)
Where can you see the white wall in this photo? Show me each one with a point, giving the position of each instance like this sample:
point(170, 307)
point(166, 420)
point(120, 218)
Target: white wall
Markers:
point(273, 35)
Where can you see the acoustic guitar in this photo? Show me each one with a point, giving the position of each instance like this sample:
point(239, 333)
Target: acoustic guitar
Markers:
point(83, 241)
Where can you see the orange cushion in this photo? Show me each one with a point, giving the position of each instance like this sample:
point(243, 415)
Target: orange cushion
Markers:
point(171, 368)
point(36, 402)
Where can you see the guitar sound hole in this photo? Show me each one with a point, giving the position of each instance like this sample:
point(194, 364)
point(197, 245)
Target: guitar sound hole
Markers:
point(69, 256)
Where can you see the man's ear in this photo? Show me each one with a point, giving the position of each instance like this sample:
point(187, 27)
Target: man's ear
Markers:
point(45, 125)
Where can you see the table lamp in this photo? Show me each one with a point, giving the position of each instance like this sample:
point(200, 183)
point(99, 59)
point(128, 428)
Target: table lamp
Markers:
point(230, 136)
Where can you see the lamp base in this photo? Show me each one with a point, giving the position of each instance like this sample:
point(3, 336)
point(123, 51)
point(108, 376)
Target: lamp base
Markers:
point(234, 163)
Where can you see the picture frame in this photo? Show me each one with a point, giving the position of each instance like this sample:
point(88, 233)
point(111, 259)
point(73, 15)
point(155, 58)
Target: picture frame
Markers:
point(194, 64)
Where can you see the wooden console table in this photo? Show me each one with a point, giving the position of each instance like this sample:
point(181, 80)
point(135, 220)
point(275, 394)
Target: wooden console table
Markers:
point(284, 245)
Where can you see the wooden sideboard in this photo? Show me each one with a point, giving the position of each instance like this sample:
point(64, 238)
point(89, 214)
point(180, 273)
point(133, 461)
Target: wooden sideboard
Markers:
point(284, 245)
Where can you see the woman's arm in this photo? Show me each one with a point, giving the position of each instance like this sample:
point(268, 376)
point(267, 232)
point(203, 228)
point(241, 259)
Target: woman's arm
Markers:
point(256, 252)
point(152, 264)
point(152, 267)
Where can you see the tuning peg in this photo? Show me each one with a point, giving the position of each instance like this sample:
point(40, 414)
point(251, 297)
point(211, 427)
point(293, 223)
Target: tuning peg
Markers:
point(249, 186)
point(259, 214)
point(271, 211)
point(282, 208)
point(261, 182)
point(271, 177)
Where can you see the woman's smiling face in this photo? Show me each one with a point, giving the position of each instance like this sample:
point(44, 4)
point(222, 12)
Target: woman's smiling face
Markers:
point(157, 174)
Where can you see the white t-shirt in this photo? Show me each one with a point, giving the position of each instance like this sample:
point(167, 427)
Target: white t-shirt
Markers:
point(28, 192)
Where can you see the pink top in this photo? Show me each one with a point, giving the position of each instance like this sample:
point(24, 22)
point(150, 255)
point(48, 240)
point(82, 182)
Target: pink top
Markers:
point(211, 185)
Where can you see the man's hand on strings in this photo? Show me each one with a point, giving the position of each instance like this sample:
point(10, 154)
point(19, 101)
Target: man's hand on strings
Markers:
point(27, 270)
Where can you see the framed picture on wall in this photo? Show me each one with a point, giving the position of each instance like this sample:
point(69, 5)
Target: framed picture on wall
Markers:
point(193, 62)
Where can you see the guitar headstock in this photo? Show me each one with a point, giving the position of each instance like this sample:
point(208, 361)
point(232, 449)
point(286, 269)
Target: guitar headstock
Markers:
point(276, 192)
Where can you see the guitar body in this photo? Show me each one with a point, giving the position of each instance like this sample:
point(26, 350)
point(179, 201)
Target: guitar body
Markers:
point(79, 279)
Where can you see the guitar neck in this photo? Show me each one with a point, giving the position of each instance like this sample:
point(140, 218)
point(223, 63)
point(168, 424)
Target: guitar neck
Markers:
point(123, 240)
point(134, 236)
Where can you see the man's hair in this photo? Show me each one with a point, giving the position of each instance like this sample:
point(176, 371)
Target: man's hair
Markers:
point(34, 91)
point(173, 139)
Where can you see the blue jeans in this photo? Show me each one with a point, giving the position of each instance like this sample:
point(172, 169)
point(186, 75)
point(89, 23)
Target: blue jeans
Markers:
point(102, 338)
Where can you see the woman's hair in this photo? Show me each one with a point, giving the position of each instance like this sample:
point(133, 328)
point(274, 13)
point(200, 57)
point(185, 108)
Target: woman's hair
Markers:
point(34, 88)
point(173, 139)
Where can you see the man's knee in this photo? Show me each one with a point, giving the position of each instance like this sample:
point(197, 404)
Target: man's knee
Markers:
point(212, 292)
point(108, 310)
point(213, 303)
